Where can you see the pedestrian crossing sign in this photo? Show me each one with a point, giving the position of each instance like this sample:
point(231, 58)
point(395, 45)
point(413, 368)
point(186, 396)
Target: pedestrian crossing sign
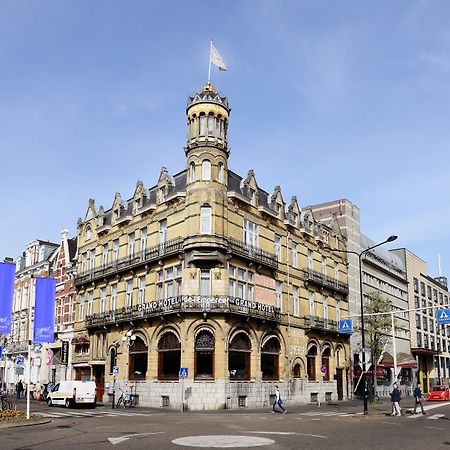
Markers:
point(443, 315)
point(345, 326)
point(184, 372)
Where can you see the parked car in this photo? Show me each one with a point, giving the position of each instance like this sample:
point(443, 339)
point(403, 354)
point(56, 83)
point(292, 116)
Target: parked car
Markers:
point(73, 393)
point(439, 392)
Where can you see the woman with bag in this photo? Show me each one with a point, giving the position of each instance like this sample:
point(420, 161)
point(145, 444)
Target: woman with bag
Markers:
point(278, 401)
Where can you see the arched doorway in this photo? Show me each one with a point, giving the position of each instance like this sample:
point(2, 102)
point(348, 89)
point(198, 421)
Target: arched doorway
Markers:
point(326, 363)
point(204, 355)
point(138, 360)
point(169, 357)
point(311, 363)
point(239, 352)
point(270, 359)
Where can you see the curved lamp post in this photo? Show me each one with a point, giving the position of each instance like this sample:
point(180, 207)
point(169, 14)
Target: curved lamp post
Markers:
point(363, 338)
point(128, 339)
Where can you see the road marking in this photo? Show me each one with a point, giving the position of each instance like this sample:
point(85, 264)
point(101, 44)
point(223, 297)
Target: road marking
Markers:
point(426, 408)
point(222, 441)
point(119, 439)
point(436, 416)
point(290, 433)
point(435, 428)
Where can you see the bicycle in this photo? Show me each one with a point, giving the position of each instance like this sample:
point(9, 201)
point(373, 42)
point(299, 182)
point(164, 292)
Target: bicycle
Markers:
point(5, 403)
point(127, 400)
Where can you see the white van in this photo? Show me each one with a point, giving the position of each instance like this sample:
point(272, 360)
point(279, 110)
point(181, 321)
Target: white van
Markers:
point(72, 393)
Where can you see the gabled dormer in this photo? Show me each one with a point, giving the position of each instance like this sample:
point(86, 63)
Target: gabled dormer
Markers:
point(249, 188)
point(307, 221)
point(119, 210)
point(293, 213)
point(87, 228)
point(277, 204)
point(164, 186)
point(140, 194)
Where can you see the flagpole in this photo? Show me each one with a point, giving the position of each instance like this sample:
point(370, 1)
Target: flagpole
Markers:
point(33, 287)
point(209, 66)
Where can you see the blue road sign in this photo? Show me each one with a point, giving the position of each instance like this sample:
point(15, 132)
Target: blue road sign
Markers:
point(1, 351)
point(443, 315)
point(346, 326)
point(20, 360)
point(184, 372)
point(115, 370)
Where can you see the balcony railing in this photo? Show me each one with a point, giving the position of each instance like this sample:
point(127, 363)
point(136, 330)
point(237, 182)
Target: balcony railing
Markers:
point(185, 304)
point(325, 281)
point(139, 258)
point(252, 253)
point(320, 323)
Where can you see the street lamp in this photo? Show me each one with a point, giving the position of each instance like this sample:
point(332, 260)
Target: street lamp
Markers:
point(128, 340)
point(363, 337)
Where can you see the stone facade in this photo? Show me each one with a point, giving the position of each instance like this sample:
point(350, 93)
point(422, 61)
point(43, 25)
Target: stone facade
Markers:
point(209, 272)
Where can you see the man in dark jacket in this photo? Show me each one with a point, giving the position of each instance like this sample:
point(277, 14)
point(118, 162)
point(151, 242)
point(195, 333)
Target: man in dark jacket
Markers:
point(395, 398)
point(419, 398)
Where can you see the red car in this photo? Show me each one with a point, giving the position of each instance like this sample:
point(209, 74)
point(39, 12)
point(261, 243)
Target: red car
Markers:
point(439, 393)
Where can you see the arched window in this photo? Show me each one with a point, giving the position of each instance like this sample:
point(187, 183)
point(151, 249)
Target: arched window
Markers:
point(311, 363)
point(326, 363)
point(206, 170)
point(202, 125)
point(297, 371)
point(88, 233)
point(112, 359)
point(138, 360)
point(204, 355)
point(220, 173)
point(270, 355)
point(239, 352)
point(192, 172)
point(211, 121)
point(169, 357)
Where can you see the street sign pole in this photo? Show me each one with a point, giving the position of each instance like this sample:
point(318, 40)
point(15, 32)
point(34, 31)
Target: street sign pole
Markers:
point(182, 394)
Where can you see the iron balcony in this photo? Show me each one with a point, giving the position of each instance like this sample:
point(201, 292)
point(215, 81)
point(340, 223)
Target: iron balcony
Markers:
point(323, 280)
point(185, 304)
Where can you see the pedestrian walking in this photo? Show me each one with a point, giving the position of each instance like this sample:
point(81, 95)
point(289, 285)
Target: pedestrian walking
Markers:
point(19, 389)
point(278, 401)
point(419, 398)
point(395, 399)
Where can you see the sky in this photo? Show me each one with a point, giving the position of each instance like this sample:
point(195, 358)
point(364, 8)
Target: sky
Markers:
point(330, 99)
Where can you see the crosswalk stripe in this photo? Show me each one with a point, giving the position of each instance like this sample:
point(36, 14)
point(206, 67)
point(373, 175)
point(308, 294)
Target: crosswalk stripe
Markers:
point(436, 416)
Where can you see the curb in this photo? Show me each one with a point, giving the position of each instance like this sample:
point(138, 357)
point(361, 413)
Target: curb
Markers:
point(25, 424)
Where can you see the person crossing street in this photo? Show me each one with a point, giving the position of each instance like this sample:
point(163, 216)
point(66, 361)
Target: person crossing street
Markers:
point(418, 398)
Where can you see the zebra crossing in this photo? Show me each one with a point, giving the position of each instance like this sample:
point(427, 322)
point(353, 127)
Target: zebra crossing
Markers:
point(64, 414)
point(330, 414)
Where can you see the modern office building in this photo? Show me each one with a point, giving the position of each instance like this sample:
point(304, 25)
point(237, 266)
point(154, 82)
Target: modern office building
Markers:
point(430, 341)
point(383, 272)
point(209, 272)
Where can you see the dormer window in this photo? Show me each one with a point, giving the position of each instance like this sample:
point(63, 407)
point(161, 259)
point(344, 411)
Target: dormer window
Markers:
point(161, 194)
point(206, 170)
point(252, 194)
point(88, 233)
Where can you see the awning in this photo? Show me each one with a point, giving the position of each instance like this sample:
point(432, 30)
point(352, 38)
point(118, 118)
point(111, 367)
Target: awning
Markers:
point(403, 360)
point(80, 340)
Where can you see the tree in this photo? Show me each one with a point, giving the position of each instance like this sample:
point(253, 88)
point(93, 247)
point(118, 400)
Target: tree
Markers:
point(377, 327)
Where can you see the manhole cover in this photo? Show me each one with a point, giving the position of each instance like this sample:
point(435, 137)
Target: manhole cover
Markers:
point(222, 441)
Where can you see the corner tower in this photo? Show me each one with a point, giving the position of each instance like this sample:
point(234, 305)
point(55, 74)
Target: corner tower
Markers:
point(207, 141)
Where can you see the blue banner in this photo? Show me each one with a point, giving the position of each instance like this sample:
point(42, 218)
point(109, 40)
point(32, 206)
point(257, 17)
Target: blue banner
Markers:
point(7, 274)
point(44, 310)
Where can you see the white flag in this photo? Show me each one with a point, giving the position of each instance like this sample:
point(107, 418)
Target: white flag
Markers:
point(216, 59)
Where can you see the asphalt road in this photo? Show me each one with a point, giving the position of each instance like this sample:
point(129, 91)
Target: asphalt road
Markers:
point(340, 426)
